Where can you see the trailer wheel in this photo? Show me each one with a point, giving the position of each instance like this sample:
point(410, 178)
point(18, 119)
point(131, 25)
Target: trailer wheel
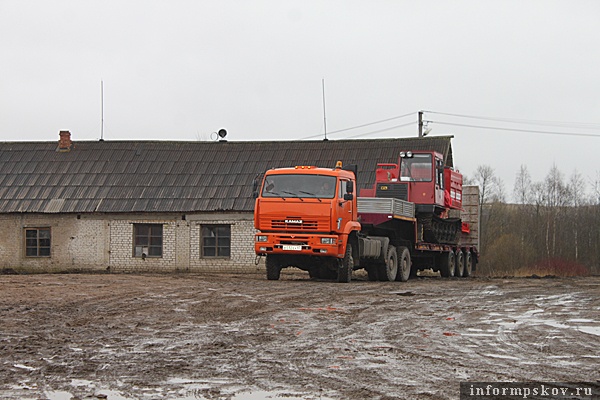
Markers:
point(446, 264)
point(460, 264)
point(468, 264)
point(273, 267)
point(404, 265)
point(388, 271)
point(345, 270)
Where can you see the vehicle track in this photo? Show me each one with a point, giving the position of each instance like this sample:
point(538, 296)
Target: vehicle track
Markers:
point(221, 336)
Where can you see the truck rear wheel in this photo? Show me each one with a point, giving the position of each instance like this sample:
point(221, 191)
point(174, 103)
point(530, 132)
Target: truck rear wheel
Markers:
point(460, 264)
point(273, 267)
point(389, 270)
point(345, 270)
point(447, 264)
point(404, 265)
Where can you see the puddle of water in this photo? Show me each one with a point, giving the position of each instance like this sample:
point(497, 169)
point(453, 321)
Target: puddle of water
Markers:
point(58, 395)
point(535, 317)
point(479, 334)
point(25, 367)
point(261, 394)
point(592, 330)
point(501, 356)
point(194, 388)
point(581, 320)
point(81, 382)
point(64, 395)
point(555, 324)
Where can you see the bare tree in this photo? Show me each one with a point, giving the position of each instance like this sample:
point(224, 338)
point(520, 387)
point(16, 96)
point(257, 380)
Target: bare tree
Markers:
point(576, 188)
point(556, 196)
point(555, 223)
point(596, 189)
point(491, 188)
point(522, 188)
point(490, 196)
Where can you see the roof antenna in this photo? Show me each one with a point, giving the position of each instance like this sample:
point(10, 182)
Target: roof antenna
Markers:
point(102, 110)
point(324, 113)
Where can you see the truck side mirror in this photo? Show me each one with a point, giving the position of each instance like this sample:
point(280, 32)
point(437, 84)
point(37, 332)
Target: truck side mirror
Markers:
point(255, 186)
point(349, 187)
point(348, 196)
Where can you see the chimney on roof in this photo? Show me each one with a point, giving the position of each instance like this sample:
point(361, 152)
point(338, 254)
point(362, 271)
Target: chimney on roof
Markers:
point(64, 143)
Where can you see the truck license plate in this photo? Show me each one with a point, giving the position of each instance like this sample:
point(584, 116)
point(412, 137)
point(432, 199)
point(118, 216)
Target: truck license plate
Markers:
point(292, 247)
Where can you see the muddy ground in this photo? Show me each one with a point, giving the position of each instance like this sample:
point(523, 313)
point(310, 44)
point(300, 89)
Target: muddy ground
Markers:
point(243, 337)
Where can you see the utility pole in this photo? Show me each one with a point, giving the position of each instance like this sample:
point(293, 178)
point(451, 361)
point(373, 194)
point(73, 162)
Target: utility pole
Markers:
point(420, 123)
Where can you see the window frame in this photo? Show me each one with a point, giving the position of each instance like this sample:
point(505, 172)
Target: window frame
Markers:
point(407, 164)
point(37, 239)
point(216, 247)
point(299, 185)
point(149, 236)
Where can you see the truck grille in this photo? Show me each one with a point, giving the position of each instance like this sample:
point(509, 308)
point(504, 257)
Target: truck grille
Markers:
point(392, 190)
point(305, 225)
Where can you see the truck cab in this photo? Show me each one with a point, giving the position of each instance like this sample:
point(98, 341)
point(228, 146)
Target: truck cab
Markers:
point(304, 215)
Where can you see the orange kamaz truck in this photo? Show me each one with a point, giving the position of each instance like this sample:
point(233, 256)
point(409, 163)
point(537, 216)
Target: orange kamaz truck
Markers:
point(414, 217)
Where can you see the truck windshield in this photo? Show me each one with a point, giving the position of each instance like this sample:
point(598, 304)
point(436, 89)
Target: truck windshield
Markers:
point(299, 185)
point(416, 168)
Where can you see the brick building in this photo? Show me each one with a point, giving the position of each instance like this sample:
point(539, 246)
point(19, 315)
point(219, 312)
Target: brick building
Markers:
point(154, 205)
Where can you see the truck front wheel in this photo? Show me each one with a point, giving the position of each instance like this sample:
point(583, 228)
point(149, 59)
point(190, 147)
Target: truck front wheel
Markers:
point(273, 267)
point(345, 270)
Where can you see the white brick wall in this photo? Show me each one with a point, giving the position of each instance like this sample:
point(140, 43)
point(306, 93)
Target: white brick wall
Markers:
point(98, 242)
point(121, 247)
point(76, 243)
point(242, 247)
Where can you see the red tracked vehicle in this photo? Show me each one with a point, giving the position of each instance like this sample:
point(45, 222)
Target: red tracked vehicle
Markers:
point(421, 178)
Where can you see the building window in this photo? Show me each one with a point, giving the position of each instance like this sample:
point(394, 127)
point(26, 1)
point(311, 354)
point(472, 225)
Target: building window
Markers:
point(37, 242)
point(148, 240)
point(216, 241)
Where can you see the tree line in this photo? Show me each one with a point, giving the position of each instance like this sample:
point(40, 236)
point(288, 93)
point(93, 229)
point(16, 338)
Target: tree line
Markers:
point(551, 228)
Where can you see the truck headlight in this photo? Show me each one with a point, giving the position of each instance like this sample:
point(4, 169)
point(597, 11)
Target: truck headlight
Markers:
point(261, 238)
point(326, 240)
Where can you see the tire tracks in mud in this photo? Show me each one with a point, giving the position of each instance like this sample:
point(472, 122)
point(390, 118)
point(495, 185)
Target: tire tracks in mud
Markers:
point(222, 334)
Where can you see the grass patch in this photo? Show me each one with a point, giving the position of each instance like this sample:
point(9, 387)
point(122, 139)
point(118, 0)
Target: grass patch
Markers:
point(554, 267)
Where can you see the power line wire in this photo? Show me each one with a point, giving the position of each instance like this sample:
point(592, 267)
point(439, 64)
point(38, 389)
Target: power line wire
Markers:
point(516, 129)
point(579, 125)
point(383, 130)
point(361, 126)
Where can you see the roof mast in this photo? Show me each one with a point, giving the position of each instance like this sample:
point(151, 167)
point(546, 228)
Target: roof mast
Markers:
point(324, 114)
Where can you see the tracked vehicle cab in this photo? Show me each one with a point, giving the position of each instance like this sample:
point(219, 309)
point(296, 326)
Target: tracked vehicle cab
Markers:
point(421, 178)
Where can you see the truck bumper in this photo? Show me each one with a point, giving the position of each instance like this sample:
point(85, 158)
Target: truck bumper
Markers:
point(301, 244)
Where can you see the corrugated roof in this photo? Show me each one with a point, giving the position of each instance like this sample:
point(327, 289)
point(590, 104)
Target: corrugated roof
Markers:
point(141, 176)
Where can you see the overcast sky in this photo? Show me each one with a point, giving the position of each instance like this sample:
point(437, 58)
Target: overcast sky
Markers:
point(180, 70)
